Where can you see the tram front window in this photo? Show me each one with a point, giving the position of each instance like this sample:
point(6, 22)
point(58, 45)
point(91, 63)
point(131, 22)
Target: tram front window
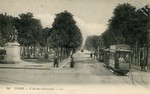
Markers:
point(127, 58)
point(123, 57)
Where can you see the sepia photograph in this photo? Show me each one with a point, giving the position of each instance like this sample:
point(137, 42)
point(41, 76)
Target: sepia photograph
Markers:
point(75, 46)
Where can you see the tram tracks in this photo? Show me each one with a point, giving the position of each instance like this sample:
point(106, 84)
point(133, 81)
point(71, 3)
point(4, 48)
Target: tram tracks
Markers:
point(134, 81)
point(142, 79)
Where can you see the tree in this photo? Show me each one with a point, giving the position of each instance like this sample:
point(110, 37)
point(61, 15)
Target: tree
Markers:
point(143, 25)
point(92, 42)
point(66, 32)
point(128, 26)
point(122, 24)
point(28, 30)
point(43, 36)
point(6, 28)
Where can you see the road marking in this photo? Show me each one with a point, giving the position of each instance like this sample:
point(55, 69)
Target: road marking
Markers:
point(61, 66)
point(111, 70)
point(65, 63)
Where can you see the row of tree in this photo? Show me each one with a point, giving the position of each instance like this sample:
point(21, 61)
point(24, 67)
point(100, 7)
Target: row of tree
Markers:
point(6, 27)
point(92, 42)
point(128, 25)
point(64, 34)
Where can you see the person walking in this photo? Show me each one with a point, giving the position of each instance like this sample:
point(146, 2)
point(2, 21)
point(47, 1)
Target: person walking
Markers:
point(55, 61)
point(145, 65)
point(91, 55)
point(142, 64)
point(72, 63)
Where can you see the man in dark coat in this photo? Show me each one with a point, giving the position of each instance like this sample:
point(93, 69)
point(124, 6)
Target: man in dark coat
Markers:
point(142, 64)
point(91, 55)
point(55, 61)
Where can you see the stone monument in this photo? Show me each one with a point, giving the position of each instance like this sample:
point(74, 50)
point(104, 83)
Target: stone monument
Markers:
point(12, 48)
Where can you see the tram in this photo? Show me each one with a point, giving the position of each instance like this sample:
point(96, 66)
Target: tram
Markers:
point(119, 58)
point(106, 57)
point(101, 54)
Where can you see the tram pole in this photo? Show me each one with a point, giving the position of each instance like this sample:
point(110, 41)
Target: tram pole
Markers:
point(115, 37)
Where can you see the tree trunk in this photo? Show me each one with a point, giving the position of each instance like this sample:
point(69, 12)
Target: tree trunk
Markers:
point(31, 50)
point(24, 51)
point(34, 50)
point(61, 52)
point(146, 56)
point(64, 54)
point(136, 53)
point(41, 51)
point(21, 52)
point(28, 52)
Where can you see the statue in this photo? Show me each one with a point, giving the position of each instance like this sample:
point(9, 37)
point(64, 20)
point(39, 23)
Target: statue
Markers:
point(13, 35)
point(12, 48)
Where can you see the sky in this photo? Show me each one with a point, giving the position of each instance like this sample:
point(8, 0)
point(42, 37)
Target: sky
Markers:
point(91, 15)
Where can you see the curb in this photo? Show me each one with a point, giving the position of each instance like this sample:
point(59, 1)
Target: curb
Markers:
point(140, 69)
point(25, 68)
point(135, 68)
point(38, 68)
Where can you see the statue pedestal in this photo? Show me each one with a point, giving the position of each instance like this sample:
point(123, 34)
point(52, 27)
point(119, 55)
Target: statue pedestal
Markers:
point(12, 52)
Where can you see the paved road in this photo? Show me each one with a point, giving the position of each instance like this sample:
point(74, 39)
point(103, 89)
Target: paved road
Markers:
point(87, 71)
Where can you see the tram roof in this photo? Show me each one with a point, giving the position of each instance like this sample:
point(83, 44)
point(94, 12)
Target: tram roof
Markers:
point(120, 46)
point(123, 50)
point(118, 50)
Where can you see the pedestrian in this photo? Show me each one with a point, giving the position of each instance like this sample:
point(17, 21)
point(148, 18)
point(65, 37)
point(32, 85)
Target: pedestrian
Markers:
point(145, 65)
point(46, 56)
point(142, 64)
point(55, 61)
point(91, 55)
point(72, 63)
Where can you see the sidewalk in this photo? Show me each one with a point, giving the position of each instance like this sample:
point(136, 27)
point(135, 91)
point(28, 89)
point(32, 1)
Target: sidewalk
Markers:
point(45, 65)
point(137, 67)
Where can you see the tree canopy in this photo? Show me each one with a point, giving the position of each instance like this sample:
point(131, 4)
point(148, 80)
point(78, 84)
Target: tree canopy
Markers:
point(28, 29)
point(6, 28)
point(128, 25)
point(92, 42)
point(65, 32)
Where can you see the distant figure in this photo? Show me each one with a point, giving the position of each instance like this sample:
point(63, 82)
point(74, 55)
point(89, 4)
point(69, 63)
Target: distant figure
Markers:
point(55, 61)
point(142, 64)
point(121, 59)
point(145, 65)
point(46, 56)
point(91, 55)
point(72, 63)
